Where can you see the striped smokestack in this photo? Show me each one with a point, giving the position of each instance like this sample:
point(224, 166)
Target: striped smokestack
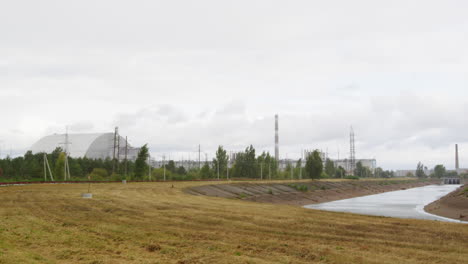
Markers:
point(276, 139)
point(457, 164)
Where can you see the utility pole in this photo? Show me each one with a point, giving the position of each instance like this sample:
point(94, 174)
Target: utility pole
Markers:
point(118, 154)
point(189, 162)
point(227, 168)
point(126, 156)
point(292, 172)
point(164, 165)
point(149, 167)
point(199, 160)
point(46, 164)
point(276, 139)
point(300, 164)
point(66, 153)
point(261, 171)
point(66, 166)
point(269, 169)
point(45, 171)
point(352, 151)
point(300, 172)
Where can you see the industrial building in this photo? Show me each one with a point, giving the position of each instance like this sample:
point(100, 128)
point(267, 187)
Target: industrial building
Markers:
point(346, 163)
point(92, 146)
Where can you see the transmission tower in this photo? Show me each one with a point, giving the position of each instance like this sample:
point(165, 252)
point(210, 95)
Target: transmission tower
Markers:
point(352, 153)
point(66, 167)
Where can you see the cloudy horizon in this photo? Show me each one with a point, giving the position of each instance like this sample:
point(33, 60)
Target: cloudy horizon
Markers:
point(176, 74)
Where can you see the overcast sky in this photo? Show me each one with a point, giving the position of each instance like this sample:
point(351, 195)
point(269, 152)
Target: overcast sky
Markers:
point(175, 74)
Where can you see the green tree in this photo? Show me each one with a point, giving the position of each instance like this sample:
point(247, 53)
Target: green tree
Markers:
point(140, 163)
point(378, 172)
point(31, 166)
point(420, 171)
point(268, 164)
point(206, 172)
point(439, 171)
point(330, 168)
point(98, 174)
point(451, 174)
point(181, 170)
point(298, 169)
point(246, 164)
point(340, 172)
point(220, 161)
point(289, 168)
point(359, 170)
point(314, 165)
point(59, 169)
point(170, 166)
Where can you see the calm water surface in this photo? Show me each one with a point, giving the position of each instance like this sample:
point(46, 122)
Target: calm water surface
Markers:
point(402, 204)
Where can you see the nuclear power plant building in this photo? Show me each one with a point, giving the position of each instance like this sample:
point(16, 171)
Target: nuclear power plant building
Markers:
point(92, 146)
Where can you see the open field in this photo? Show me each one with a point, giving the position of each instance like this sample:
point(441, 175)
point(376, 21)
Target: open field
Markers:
point(155, 223)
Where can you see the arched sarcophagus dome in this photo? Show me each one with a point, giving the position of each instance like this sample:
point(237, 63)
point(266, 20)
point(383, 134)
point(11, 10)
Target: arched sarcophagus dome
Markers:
point(92, 146)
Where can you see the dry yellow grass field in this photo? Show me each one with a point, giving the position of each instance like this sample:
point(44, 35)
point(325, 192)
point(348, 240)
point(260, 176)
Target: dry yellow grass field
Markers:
point(155, 223)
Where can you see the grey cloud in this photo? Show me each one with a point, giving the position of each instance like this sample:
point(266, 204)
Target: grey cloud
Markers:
point(176, 74)
point(81, 126)
point(232, 109)
point(171, 114)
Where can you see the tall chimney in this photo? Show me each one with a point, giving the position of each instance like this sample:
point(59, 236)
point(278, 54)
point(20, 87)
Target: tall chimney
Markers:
point(457, 164)
point(276, 139)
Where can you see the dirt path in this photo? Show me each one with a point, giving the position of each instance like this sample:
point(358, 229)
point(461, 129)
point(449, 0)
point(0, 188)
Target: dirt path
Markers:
point(304, 192)
point(454, 205)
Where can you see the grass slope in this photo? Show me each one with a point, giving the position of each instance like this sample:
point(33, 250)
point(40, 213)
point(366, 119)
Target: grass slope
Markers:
point(154, 223)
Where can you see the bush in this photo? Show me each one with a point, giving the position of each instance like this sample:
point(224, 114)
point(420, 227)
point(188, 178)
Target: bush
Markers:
point(465, 192)
point(302, 188)
point(350, 177)
point(98, 174)
point(116, 177)
point(153, 247)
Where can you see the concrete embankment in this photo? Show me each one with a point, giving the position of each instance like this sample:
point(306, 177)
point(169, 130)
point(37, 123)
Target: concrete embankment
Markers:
point(304, 192)
point(454, 205)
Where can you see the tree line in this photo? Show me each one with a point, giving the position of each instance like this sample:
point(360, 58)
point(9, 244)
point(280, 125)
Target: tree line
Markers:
point(30, 167)
point(438, 172)
point(245, 164)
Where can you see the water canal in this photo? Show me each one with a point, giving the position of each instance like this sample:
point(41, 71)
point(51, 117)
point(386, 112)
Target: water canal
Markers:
point(401, 204)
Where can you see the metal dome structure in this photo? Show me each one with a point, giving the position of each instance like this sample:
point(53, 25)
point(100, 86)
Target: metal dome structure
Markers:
point(92, 146)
